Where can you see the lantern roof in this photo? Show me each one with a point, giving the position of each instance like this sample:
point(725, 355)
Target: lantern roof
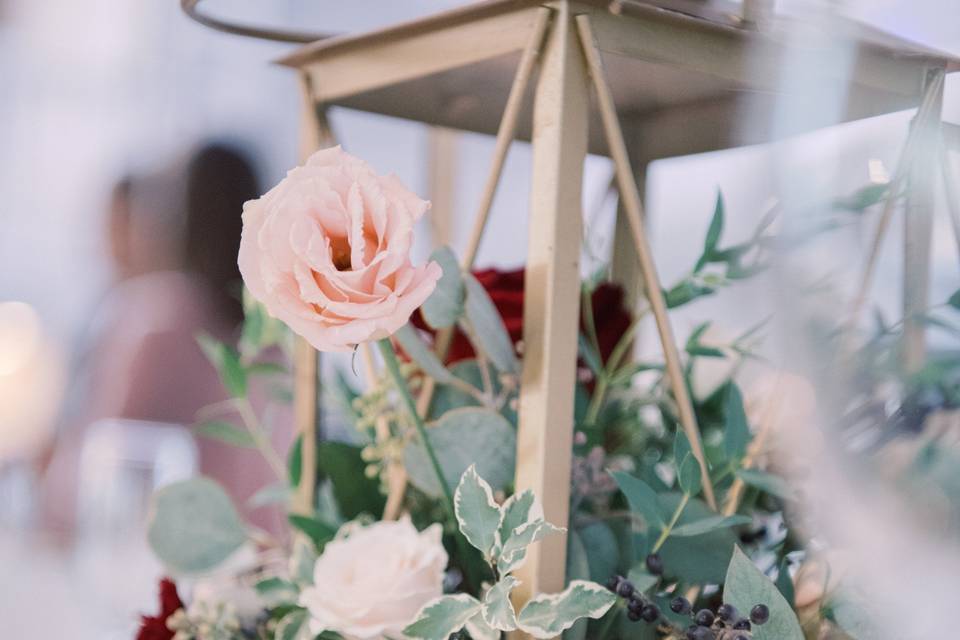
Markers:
point(691, 66)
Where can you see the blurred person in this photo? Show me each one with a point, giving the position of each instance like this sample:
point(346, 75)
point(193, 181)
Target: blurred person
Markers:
point(173, 238)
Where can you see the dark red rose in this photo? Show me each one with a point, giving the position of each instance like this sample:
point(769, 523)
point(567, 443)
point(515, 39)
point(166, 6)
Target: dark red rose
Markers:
point(155, 627)
point(610, 316)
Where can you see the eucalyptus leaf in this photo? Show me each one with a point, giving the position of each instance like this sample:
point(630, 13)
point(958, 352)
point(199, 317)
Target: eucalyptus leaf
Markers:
point(954, 300)
point(443, 616)
point(497, 610)
point(276, 591)
point(641, 497)
point(488, 327)
point(706, 525)
point(688, 475)
point(642, 579)
point(445, 304)
point(546, 616)
point(276, 493)
point(477, 512)
point(226, 361)
point(603, 554)
point(746, 586)
point(194, 526)
point(461, 437)
point(736, 431)
point(701, 558)
point(227, 433)
point(785, 582)
point(767, 482)
point(423, 356)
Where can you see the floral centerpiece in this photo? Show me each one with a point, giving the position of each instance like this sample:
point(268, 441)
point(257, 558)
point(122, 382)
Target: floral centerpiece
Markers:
point(416, 531)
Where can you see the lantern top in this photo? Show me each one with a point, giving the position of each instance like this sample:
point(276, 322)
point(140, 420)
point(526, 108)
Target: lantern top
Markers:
point(690, 62)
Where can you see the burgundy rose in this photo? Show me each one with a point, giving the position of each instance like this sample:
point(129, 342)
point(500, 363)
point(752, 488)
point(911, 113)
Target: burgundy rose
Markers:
point(610, 315)
point(155, 627)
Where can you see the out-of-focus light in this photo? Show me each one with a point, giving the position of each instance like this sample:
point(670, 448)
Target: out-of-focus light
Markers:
point(31, 382)
point(877, 172)
point(19, 336)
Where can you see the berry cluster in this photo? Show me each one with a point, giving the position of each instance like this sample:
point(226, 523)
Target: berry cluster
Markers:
point(723, 624)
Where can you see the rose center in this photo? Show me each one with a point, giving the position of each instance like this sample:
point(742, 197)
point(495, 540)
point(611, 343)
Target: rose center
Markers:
point(340, 253)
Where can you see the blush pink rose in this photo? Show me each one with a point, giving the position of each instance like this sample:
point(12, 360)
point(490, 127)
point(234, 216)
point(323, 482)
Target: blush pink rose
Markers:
point(327, 251)
point(372, 583)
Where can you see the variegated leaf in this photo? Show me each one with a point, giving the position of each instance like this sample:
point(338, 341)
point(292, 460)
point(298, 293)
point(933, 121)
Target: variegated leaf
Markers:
point(515, 547)
point(497, 609)
point(546, 616)
point(518, 510)
point(443, 616)
point(477, 512)
point(478, 629)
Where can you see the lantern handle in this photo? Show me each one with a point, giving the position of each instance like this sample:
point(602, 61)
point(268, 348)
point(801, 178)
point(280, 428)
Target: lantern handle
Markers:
point(189, 7)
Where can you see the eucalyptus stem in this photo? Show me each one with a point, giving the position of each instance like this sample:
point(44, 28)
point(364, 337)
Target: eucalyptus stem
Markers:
point(665, 533)
point(393, 368)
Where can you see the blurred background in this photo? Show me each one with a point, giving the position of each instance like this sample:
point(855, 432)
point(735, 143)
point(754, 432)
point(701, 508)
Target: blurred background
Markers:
point(129, 138)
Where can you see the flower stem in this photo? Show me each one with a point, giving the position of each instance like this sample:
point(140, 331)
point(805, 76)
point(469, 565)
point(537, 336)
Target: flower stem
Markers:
point(665, 533)
point(393, 368)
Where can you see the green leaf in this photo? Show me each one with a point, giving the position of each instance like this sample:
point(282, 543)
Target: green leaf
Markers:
point(641, 497)
point(514, 550)
point(424, 357)
point(294, 626)
point(497, 609)
point(226, 361)
point(447, 397)
point(193, 526)
point(303, 559)
point(517, 511)
point(684, 292)
point(785, 582)
point(863, 198)
point(277, 591)
point(736, 431)
point(477, 512)
point(954, 300)
point(707, 525)
point(641, 579)
point(318, 531)
point(267, 369)
point(603, 553)
point(701, 558)
point(745, 586)
point(445, 305)
point(546, 616)
point(681, 448)
point(354, 491)
point(688, 475)
point(442, 617)
point(228, 433)
point(276, 493)
point(461, 437)
point(589, 355)
point(295, 461)
point(767, 482)
point(712, 238)
point(488, 327)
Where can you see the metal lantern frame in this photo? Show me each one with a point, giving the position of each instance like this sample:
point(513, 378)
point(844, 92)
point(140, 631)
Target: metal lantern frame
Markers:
point(635, 80)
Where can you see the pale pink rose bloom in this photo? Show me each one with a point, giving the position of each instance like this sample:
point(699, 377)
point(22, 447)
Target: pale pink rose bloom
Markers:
point(327, 251)
point(373, 583)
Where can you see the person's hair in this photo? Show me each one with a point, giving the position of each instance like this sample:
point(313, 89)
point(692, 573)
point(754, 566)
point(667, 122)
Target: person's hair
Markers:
point(219, 179)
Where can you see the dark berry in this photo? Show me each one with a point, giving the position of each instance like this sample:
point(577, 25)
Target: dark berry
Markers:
point(759, 614)
point(614, 582)
point(654, 564)
point(635, 603)
point(650, 612)
point(727, 612)
point(680, 605)
point(625, 588)
point(701, 633)
point(742, 625)
point(633, 615)
point(692, 629)
point(704, 617)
